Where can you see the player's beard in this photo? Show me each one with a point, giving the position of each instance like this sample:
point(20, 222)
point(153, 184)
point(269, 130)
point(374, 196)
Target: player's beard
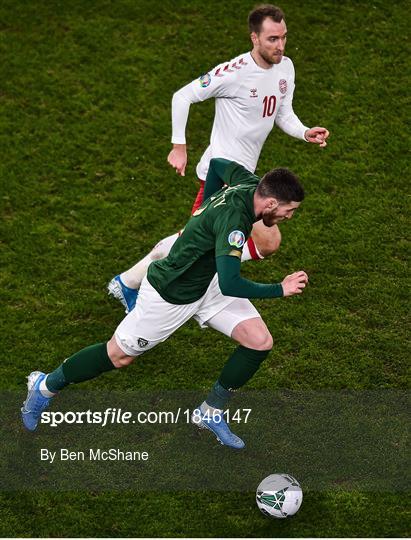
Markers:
point(270, 219)
point(271, 58)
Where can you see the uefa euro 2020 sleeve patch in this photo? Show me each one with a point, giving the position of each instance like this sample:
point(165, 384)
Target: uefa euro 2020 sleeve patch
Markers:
point(205, 80)
point(236, 239)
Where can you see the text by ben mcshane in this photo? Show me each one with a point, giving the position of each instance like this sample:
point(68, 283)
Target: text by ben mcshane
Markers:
point(92, 454)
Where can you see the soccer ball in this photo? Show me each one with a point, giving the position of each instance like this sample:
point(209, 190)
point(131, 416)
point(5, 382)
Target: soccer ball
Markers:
point(279, 496)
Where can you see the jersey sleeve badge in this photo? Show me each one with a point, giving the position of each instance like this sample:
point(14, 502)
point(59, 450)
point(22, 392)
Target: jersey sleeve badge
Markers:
point(236, 239)
point(283, 86)
point(205, 80)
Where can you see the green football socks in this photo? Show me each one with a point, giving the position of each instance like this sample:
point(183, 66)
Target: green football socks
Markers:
point(82, 366)
point(239, 369)
point(94, 360)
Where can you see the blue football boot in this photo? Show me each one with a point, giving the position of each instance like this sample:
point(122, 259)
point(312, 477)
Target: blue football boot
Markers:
point(123, 293)
point(217, 425)
point(35, 402)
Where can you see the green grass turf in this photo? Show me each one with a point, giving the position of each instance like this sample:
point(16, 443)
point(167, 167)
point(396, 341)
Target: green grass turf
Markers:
point(84, 129)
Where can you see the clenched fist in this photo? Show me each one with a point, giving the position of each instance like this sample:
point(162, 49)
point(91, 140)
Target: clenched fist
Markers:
point(294, 283)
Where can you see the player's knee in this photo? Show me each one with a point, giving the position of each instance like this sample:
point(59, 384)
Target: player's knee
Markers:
point(122, 362)
point(118, 357)
point(253, 334)
point(262, 341)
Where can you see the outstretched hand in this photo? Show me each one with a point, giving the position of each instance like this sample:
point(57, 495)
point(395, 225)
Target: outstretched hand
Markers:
point(317, 135)
point(177, 158)
point(294, 283)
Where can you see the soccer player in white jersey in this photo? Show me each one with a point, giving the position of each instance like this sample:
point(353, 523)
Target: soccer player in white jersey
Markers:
point(252, 92)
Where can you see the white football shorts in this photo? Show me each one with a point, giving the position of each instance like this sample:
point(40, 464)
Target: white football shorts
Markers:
point(153, 319)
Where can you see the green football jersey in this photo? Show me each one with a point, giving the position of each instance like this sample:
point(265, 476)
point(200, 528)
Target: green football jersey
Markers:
point(220, 226)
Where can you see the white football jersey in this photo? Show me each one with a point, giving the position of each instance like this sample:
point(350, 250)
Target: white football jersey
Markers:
point(248, 101)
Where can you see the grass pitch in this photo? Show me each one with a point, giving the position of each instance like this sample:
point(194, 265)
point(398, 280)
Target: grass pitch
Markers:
point(85, 128)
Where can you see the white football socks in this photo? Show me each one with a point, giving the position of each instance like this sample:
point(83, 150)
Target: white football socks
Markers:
point(133, 277)
point(44, 391)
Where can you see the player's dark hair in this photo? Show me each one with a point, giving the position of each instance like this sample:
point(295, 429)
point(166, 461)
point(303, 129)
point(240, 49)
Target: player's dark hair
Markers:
point(281, 184)
point(257, 16)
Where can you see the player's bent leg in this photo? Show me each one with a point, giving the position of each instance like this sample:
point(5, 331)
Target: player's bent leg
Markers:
point(124, 287)
point(267, 240)
point(254, 334)
point(255, 344)
point(238, 370)
point(152, 321)
point(240, 320)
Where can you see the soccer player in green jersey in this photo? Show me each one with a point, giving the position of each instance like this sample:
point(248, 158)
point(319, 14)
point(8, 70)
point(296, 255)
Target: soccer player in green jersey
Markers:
point(199, 278)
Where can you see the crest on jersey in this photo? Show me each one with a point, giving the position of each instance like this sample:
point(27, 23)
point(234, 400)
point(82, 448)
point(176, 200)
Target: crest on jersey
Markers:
point(236, 239)
point(283, 86)
point(205, 80)
point(142, 342)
